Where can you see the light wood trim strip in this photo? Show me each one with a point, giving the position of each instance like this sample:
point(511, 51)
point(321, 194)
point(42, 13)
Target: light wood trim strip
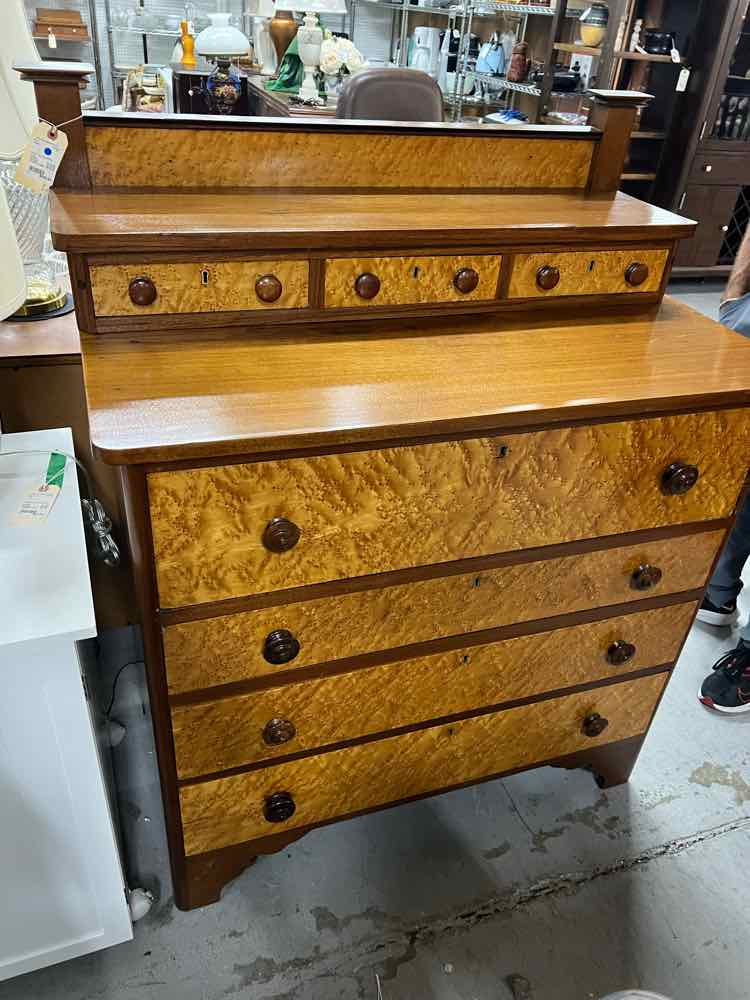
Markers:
point(409, 280)
point(228, 733)
point(230, 288)
point(230, 810)
point(369, 512)
point(215, 651)
point(190, 158)
point(577, 277)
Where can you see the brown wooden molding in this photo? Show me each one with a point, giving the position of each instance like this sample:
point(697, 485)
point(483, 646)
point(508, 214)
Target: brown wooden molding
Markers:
point(613, 111)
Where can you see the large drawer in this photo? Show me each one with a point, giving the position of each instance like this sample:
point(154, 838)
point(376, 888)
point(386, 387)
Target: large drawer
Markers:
point(207, 286)
point(230, 810)
point(245, 729)
point(231, 530)
point(552, 274)
point(359, 282)
point(214, 651)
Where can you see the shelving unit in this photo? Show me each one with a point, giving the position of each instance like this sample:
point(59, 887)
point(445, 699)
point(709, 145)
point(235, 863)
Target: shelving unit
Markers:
point(87, 8)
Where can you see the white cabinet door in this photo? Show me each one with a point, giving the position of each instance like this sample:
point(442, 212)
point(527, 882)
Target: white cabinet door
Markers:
point(62, 886)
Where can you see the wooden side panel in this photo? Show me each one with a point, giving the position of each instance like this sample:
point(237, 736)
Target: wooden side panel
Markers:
point(180, 287)
point(408, 280)
point(372, 511)
point(214, 651)
point(578, 277)
point(228, 733)
point(230, 810)
point(178, 157)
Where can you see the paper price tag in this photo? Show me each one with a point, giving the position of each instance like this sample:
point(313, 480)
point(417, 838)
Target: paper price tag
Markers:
point(675, 54)
point(36, 505)
point(682, 80)
point(41, 158)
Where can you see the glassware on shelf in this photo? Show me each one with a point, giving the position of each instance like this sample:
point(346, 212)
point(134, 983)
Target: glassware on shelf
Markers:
point(732, 122)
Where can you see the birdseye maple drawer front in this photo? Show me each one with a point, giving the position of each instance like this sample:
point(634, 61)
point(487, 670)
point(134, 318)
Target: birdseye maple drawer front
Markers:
point(231, 530)
point(198, 287)
point(245, 729)
point(314, 789)
point(586, 272)
point(215, 651)
point(351, 282)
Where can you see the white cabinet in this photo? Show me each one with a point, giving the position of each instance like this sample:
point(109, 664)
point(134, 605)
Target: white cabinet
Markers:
point(63, 892)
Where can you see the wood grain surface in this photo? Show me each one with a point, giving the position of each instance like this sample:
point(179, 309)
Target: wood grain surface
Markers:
point(215, 651)
point(231, 286)
point(578, 277)
point(204, 396)
point(407, 280)
point(188, 158)
point(268, 220)
point(372, 511)
point(230, 810)
point(227, 733)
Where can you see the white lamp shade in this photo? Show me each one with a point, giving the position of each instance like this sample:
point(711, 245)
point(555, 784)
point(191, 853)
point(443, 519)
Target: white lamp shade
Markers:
point(319, 6)
point(17, 102)
point(265, 8)
point(12, 277)
point(220, 38)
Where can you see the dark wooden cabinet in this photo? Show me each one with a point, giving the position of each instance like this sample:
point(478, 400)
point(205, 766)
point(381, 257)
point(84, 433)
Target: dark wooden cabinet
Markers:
point(705, 170)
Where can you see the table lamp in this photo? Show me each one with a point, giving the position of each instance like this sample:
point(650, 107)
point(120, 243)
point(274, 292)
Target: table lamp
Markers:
point(309, 40)
point(222, 42)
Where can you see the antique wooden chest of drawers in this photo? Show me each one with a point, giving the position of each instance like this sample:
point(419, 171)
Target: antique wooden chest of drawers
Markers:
point(423, 479)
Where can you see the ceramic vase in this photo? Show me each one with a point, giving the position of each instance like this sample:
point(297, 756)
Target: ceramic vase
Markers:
point(283, 28)
point(594, 24)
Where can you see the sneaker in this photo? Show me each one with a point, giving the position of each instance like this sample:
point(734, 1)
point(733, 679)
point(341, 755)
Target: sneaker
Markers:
point(727, 689)
point(713, 615)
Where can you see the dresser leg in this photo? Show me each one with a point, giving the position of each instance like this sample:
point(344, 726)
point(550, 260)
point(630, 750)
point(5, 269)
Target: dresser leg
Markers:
point(610, 764)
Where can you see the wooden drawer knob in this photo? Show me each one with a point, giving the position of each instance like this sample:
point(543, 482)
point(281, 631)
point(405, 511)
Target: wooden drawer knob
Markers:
point(278, 731)
point(547, 277)
point(594, 725)
point(280, 646)
point(142, 291)
point(268, 288)
point(679, 477)
point(466, 280)
point(278, 807)
point(645, 577)
point(280, 535)
point(620, 652)
point(367, 285)
point(636, 273)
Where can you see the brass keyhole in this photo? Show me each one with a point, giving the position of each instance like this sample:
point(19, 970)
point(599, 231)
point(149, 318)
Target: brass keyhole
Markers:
point(503, 450)
point(592, 265)
point(415, 272)
point(477, 580)
point(205, 276)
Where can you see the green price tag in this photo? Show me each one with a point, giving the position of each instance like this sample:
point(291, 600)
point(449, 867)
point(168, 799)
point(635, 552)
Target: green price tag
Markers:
point(55, 470)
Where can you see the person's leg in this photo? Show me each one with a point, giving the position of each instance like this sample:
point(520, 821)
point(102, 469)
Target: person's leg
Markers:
point(719, 606)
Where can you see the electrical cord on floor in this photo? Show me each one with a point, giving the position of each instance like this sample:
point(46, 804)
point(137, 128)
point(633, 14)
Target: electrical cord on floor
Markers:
point(104, 545)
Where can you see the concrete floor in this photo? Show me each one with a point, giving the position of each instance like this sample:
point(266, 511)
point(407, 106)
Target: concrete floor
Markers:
point(581, 891)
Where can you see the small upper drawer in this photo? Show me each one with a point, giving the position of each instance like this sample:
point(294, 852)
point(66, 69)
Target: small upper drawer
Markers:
point(720, 168)
point(352, 282)
point(586, 272)
point(308, 790)
point(228, 530)
point(198, 287)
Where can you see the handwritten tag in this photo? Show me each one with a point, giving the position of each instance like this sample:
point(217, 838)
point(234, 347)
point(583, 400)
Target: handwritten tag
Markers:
point(675, 54)
point(682, 80)
point(52, 39)
point(36, 505)
point(41, 158)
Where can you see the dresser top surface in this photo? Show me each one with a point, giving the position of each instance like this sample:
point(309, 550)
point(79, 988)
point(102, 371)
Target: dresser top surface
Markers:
point(158, 398)
point(166, 222)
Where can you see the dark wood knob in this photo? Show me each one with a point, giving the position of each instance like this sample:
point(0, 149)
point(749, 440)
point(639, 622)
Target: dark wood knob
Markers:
point(620, 652)
point(547, 277)
point(280, 646)
point(636, 273)
point(466, 280)
point(645, 577)
point(268, 288)
point(278, 731)
point(679, 477)
point(280, 535)
point(367, 285)
point(594, 725)
point(142, 291)
point(278, 807)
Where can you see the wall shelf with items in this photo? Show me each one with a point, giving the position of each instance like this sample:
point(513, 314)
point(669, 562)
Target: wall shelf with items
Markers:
point(72, 27)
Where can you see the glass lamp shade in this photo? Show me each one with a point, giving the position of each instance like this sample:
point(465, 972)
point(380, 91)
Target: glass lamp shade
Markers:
point(320, 6)
point(220, 38)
